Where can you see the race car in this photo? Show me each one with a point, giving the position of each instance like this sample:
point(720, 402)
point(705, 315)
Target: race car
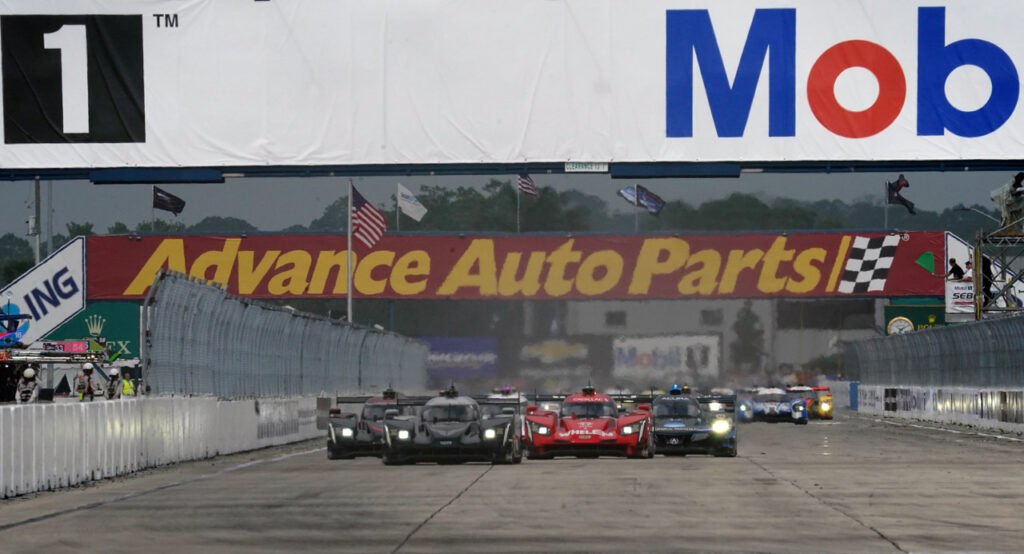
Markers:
point(588, 425)
point(685, 424)
point(350, 435)
point(818, 399)
point(745, 405)
point(774, 405)
point(451, 428)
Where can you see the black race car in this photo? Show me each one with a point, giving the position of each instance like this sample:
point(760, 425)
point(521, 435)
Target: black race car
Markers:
point(452, 428)
point(350, 435)
point(689, 424)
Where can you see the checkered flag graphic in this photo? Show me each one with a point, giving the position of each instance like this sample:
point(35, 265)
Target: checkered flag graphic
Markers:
point(868, 265)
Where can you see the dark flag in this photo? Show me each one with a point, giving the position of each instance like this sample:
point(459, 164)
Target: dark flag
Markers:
point(642, 198)
point(163, 200)
point(894, 196)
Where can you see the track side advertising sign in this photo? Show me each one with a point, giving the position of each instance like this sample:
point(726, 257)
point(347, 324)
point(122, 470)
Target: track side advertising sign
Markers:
point(211, 83)
point(686, 358)
point(740, 265)
point(51, 293)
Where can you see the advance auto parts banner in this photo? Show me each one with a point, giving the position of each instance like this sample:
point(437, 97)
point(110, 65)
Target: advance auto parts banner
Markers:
point(530, 267)
point(214, 83)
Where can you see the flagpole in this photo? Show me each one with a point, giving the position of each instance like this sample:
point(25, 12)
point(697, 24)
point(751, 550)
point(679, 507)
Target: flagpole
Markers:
point(398, 211)
point(348, 233)
point(517, 208)
point(152, 209)
point(636, 214)
point(885, 206)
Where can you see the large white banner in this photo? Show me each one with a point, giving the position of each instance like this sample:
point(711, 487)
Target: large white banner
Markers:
point(169, 83)
point(51, 293)
point(658, 360)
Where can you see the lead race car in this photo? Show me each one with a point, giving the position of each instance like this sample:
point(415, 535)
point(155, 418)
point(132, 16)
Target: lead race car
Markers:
point(350, 434)
point(774, 405)
point(588, 425)
point(686, 424)
point(452, 428)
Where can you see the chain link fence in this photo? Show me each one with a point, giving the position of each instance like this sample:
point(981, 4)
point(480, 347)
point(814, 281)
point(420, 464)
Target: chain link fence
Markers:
point(987, 353)
point(197, 339)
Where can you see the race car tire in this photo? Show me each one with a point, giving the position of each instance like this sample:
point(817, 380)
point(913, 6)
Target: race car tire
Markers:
point(391, 459)
point(801, 422)
point(726, 453)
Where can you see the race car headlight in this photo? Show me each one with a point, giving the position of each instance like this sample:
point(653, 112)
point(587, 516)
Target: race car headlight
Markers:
point(715, 406)
point(798, 407)
point(490, 434)
point(540, 429)
point(721, 426)
point(346, 432)
point(825, 406)
point(629, 429)
point(403, 435)
point(743, 407)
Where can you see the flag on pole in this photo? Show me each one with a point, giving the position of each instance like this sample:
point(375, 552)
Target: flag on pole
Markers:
point(527, 185)
point(642, 198)
point(409, 204)
point(163, 200)
point(893, 193)
point(368, 224)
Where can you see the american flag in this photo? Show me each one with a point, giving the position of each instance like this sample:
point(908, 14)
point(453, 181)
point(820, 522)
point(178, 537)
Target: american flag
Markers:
point(527, 185)
point(368, 224)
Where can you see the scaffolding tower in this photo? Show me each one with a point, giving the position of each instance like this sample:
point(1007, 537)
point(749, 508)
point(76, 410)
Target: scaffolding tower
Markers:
point(999, 271)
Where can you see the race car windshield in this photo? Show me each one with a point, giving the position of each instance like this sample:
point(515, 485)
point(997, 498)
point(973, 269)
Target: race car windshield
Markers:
point(450, 412)
point(589, 409)
point(770, 397)
point(676, 409)
point(376, 411)
point(803, 394)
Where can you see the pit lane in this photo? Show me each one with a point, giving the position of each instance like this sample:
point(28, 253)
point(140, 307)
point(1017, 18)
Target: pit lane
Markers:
point(855, 484)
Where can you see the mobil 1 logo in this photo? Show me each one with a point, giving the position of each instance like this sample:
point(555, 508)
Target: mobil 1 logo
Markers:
point(72, 78)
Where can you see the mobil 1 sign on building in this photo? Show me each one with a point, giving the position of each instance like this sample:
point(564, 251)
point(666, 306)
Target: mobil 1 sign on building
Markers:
point(50, 294)
point(228, 83)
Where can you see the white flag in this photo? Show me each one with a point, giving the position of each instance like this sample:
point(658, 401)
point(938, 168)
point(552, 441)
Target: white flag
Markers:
point(409, 204)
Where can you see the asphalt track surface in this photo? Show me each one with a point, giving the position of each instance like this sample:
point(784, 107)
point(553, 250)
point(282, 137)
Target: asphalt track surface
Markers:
point(855, 484)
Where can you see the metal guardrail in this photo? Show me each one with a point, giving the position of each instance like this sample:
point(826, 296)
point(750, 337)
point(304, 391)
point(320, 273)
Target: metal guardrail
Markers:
point(987, 353)
point(197, 339)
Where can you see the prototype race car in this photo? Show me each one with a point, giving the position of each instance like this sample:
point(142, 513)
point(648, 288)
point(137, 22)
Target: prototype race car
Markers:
point(818, 399)
point(774, 405)
point(588, 425)
point(685, 424)
point(451, 428)
point(350, 435)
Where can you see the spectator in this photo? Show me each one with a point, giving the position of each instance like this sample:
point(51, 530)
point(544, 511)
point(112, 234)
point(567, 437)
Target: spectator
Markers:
point(85, 386)
point(968, 273)
point(955, 272)
point(986, 278)
point(28, 388)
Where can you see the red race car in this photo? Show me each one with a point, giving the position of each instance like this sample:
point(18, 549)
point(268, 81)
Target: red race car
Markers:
point(589, 425)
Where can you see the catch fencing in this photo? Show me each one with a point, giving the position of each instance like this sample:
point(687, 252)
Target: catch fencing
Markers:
point(197, 339)
point(988, 353)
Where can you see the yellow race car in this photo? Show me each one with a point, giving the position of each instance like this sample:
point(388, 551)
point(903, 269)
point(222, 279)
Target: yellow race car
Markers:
point(819, 400)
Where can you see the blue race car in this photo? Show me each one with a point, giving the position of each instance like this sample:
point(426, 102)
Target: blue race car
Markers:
point(685, 424)
point(774, 405)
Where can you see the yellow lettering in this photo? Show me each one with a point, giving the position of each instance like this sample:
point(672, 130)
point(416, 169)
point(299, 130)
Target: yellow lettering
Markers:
point(556, 284)
point(770, 281)
point(414, 263)
point(249, 278)
point(590, 285)
point(479, 255)
point(362, 279)
point(704, 280)
point(326, 261)
point(508, 285)
point(737, 262)
point(291, 281)
point(806, 269)
point(649, 262)
point(223, 260)
point(170, 254)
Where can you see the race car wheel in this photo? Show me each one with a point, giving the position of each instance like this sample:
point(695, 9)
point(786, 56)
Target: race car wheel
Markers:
point(726, 453)
point(801, 422)
point(391, 460)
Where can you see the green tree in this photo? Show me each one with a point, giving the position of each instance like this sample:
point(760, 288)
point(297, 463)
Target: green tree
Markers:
point(16, 257)
point(118, 228)
point(218, 224)
point(748, 348)
point(160, 226)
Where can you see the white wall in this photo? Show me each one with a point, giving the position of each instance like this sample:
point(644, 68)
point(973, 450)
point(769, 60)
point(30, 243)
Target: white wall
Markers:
point(960, 405)
point(49, 446)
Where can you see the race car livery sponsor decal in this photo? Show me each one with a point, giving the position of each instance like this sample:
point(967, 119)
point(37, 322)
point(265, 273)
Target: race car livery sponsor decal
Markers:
point(520, 267)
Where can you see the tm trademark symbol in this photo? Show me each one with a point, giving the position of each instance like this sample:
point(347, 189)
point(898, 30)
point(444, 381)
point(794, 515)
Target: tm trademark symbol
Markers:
point(166, 19)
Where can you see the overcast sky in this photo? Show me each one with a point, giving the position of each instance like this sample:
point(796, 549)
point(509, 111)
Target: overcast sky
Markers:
point(275, 203)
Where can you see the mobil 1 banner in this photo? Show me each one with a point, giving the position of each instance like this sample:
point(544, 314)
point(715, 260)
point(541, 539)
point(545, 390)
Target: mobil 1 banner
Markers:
point(51, 293)
point(222, 83)
point(659, 360)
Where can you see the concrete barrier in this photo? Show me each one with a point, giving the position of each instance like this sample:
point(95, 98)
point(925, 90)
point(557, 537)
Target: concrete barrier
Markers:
point(50, 446)
point(997, 409)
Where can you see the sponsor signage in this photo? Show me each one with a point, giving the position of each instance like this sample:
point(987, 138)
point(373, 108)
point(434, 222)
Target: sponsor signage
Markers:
point(658, 359)
point(368, 82)
point(959, 297)
point(461, 357)
point(51, 293)
point(115, 322)
point(531, 267)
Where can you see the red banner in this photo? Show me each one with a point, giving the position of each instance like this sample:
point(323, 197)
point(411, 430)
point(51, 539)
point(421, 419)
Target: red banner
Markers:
point(531, 267)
